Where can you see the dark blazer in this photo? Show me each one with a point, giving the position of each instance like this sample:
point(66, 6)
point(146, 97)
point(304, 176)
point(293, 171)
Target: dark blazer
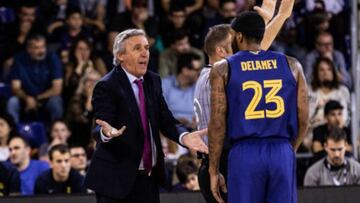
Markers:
point(115, 164)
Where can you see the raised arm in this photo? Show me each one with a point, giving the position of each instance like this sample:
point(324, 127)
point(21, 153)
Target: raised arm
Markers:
point(216, 133)
point(273, 24)
point(302, 101)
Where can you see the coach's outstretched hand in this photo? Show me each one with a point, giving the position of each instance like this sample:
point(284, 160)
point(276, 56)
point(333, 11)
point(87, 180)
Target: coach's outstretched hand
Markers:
point(194, 141)
point(108, 130)
point(217, 181)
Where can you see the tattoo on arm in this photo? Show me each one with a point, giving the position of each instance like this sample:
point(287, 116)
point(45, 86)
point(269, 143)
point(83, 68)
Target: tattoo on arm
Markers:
point(218, 78)
point(302, 101)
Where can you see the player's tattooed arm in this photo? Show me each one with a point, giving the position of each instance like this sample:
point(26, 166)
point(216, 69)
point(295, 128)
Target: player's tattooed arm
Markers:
point(302, 101)
point(216, 129)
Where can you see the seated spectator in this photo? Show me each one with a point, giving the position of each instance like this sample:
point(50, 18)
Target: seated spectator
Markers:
point(78, 159)
point(16, 33)
point(180, 45)
point(36, 81)
point(226, 12)
point(334, 119)
point(94, 14)
point(179, 90)
point(29, 169)
point(335, 169)
point(60, 179)
point(81, 59)
point(66, 35)
point(186, 171)
point(178, 19)
point(80, 111)
point(139, 18)
point(333, 7)
point(7, 130)
point(9, 180)
point(324, 47)
point(190, 6)
point(324, 87)
point(59, 134)
point(54, 12)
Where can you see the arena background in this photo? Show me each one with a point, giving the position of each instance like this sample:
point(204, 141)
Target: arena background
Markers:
point(296, 38)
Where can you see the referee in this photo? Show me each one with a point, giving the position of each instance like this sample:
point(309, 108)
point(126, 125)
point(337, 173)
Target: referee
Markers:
point(217, 46)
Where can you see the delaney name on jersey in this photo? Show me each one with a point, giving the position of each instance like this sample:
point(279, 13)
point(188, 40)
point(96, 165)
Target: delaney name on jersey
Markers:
point(259, 65)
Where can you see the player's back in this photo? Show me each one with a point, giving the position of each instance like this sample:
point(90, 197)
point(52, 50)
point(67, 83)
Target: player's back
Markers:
point(261, 95)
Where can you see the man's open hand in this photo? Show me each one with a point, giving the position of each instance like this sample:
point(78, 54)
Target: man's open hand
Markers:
point(108, 130)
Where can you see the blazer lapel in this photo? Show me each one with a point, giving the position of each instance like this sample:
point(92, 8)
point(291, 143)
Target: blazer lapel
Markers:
point(128, 93)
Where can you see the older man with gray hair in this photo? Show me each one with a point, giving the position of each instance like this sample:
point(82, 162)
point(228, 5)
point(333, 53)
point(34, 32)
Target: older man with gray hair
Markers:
point(128, 164)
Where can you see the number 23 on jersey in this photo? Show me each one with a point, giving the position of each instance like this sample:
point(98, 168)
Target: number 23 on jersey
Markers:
point(270, 97)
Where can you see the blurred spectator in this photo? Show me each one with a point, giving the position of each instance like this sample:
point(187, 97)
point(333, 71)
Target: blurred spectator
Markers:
point(190, 6)
point(80, 111)
point(16, 33)
point(335, 169)
point(115, 7)
point(67, 34)
point(175, 21)
point(54, 12)
point(7, 130)
point(81, 59)
point(186, 171)
point(324, 47)
point(244, 5)
point(139, 18)
point(94, 13)
point(36, 81)
point(324, 87)
point(9, 180)
point(331, 6)
point(59, 134)
point(60, 179)
point(179, 18)
point(179, 90)
point(334, 119)
point(78, 159)
point(29, 169)
point(226, 12)
point(180, 45)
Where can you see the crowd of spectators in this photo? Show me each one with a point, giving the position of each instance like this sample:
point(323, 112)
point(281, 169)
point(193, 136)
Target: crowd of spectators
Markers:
point(52, 53)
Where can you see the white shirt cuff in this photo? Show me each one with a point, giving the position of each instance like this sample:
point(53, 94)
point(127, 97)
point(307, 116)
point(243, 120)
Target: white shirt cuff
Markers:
point(103, 137)
point(181, 137)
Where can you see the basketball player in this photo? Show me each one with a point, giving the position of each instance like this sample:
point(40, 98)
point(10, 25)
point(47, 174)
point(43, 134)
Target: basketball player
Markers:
point(259, 99)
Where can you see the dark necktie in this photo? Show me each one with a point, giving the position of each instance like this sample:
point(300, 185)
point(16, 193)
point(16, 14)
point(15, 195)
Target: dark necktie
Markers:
point(147, 157)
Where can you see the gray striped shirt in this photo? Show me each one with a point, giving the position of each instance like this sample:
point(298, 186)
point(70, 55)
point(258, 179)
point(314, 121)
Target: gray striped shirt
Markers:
point(202, 100)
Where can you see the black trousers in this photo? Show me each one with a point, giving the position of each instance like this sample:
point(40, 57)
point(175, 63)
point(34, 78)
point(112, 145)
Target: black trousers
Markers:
point(145, 190)
point(204, 177)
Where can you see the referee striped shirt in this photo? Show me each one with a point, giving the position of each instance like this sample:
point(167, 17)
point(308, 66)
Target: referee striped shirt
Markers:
point(202, 100)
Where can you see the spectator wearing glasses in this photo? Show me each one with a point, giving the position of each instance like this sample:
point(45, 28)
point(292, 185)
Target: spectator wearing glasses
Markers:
point(78, 159)
point(324, 47)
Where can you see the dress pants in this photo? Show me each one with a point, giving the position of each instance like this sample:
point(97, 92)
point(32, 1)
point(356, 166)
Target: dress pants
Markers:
point(144, 190)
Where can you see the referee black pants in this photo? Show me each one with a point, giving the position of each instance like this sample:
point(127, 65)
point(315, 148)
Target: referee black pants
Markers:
point(204, 177)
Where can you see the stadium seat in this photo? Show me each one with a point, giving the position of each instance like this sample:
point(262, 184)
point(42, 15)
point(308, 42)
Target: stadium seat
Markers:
point(34, 132)
point(5, 90)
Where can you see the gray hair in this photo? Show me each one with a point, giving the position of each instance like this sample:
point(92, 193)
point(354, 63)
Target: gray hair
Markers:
point(120, 39)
